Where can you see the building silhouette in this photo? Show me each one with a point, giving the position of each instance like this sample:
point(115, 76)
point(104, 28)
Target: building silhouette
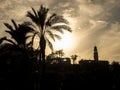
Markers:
point(96, 58)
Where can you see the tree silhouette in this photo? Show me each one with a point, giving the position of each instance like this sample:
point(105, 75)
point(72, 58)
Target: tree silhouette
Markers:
point(46, 26)
point(18, 32)
point(74, 57)
point(59, 53)
point(18, 52)
point(18, 40)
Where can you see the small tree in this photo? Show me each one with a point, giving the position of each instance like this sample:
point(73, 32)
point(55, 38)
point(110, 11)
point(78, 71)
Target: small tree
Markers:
point(74, 57)
point(59, 53)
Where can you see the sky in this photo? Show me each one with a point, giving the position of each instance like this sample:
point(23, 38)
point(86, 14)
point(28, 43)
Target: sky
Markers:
point(94, 23)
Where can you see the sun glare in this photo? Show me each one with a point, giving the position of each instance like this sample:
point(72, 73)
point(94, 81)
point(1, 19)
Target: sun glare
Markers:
point(65, 43)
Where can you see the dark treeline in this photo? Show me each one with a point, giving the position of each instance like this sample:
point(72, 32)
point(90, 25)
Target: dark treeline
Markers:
point(24, 68)
point(60, 77)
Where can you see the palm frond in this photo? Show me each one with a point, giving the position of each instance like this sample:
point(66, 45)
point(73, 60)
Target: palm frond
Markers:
point(60, 28)
point(28, 37)
point(43, 10)
point(32, 17)
point(29, 44)
point(27, 23)
point(9, 32)
point(9, 26)
point(36, 15)
point(50, 34)
point(57, 29)
point(58, 19)
point(42, 13)
point(14, 23)
point(14, 35)
point(36, 33)
point(57, 36)
point(30, 24)
point(49, 19)
point(2, 39)
point(50, 44)
point(26, 29)
point(10, 41)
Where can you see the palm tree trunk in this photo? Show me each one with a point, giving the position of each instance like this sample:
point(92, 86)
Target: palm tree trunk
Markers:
point(42, 52)
point(42, 47)
point(42, 58)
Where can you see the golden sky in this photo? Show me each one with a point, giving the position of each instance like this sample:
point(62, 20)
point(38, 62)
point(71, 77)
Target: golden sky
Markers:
point(94, 22)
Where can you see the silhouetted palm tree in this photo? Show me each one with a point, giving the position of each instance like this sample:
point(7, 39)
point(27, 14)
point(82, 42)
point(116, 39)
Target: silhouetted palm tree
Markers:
point(46, 26)
point(18, 33)
point(74, 57)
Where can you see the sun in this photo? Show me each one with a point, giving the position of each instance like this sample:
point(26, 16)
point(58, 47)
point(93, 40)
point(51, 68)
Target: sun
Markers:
point(66, 42)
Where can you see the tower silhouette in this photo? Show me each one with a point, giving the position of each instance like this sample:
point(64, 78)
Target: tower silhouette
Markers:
point(95, 54)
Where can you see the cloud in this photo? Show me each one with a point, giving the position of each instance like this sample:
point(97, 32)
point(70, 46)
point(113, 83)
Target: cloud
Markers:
point(110, 11)
point(110, 41)
point(94, 22)
point(98, 24)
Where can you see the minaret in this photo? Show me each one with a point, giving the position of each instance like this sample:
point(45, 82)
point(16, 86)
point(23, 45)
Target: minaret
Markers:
point(95, 54)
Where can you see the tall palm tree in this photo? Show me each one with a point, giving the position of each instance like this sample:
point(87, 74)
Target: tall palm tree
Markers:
point(18, 33)
point(46, 26)
point(19, 36)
